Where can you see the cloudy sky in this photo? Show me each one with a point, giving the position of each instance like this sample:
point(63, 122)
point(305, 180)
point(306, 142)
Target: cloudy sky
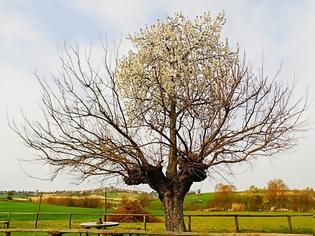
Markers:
point(31, 32)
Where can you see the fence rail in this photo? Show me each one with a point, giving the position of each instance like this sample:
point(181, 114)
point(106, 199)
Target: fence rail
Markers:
point(189, 216)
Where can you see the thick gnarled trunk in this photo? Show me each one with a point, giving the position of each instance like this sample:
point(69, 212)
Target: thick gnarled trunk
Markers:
point(173, 210)
point(171, 191)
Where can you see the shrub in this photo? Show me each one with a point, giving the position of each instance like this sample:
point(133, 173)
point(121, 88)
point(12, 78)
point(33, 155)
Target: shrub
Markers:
point(85, 202)
point(128, 206)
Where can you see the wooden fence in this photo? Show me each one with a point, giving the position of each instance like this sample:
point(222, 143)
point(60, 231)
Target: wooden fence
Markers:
point(144, 216)
point(60, 232)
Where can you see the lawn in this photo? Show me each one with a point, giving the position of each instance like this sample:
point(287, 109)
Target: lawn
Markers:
point(59, 218)
point(192, 202)
point(200, 224)
point(20, 211)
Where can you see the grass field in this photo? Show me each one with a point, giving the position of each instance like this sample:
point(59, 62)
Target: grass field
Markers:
point(191, 200)
point(202, 224)
point(29, 207)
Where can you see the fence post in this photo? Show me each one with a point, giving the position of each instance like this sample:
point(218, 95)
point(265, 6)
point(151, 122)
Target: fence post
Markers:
point(36, 220)
point(70, 219)
point(145, 222)
point(237, 227)
point(189, 223)
point(290, 223)
point(38, 209)
point(9, 218)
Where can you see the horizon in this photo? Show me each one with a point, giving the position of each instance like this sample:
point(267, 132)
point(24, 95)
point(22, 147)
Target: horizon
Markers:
point(145, 190)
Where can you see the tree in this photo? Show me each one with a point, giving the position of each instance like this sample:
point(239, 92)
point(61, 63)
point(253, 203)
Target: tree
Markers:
point(276, 193)
point(180, 104)
point(144, 199)
point(224, 196)
point(253, 199)
point(10, 195)
point(302, 200)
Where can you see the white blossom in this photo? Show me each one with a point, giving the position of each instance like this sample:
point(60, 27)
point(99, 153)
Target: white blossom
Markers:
point(176, 58)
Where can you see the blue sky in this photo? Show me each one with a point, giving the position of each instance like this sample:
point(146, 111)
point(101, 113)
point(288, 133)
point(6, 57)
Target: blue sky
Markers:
point(281, 32)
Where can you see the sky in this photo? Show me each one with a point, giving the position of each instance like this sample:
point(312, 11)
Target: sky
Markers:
point(279, 33)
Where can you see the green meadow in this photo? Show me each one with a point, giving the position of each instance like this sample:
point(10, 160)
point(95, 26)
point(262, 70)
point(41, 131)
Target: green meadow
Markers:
point(20, 211)
point(53, 216)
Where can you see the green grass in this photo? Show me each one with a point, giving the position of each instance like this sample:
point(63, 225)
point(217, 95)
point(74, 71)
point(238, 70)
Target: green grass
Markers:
point(4, 196)
point(120, 195)
point(253, 224)
point(197, 200)
point(202, 224)
point(29, 207)
point(300, 224)
point(192, 200)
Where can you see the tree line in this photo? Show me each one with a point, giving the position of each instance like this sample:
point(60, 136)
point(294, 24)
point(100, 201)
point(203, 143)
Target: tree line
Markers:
point(275, 197)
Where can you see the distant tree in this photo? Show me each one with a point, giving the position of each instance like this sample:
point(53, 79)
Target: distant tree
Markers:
point(144, 199)
point(224, 196)
point(253, 189)
point(252, 198)
point(181, 103)
point(225, 188)
point(276, 193)
point(10, 195)
point(303, 200)
point(253, 201)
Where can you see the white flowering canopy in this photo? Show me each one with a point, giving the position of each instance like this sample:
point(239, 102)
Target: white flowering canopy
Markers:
point(182, 68)
point(180, 60)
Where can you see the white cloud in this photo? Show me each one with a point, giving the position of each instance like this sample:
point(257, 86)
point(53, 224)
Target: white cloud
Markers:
point(15, 27)
point(118, 16)
point(22, 47)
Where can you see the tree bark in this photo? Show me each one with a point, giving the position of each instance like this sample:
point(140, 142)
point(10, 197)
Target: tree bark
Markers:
point(173, 208)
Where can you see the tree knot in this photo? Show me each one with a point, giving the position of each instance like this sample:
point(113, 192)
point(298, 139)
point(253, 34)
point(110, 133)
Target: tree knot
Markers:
point(194, 170)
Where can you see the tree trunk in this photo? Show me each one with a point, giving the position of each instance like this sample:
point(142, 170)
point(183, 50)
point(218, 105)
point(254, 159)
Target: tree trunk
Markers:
point(173, 209)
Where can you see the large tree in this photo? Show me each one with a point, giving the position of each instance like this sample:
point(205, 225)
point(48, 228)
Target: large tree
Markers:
point(179, 105)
